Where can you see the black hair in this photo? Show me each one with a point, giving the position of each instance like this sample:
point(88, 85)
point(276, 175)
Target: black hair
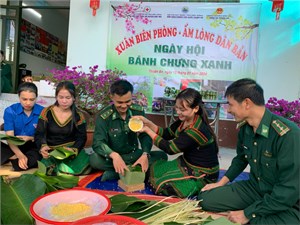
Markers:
point(27, 86)
point(193, 98)
point(70, 87)
point(2, 55)
point(246, 88)
point(121, 87)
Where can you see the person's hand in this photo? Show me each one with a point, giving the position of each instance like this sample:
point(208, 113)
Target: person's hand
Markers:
point(211, 186)
point(22, 161)
point(237, 217)
point(144, 129)
point(25, 138)
point(45, 151)
point(118, 163)
point(143, 161)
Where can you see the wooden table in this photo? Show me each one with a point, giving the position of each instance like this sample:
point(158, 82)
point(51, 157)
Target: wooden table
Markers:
point(169, 110)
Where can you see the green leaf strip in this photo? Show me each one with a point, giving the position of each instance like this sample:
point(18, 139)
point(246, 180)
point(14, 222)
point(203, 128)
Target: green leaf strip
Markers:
point(12, 139)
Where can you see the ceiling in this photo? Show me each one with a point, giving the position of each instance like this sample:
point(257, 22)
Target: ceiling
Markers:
point(58, 2)
point(62, 6)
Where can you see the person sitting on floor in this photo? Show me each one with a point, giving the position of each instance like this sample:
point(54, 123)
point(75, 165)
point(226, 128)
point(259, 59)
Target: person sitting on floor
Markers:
point(63, 126)
point(191, 135)
point(20, 120)
point(115, 146)
point(270, 145)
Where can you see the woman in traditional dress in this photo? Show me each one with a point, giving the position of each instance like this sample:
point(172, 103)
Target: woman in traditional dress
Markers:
point(61, 134)
point(190, 135)
point(20, 120)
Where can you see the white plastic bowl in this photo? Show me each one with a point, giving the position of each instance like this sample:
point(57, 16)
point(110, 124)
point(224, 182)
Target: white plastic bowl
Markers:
point(40, 207)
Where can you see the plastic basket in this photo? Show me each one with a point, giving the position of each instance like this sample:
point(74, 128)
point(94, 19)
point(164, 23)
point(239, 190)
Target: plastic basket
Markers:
point(40, 207)
point(108, 219)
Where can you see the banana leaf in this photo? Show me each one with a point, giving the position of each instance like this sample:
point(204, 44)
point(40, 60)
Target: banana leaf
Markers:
point(17, 196)
point(12, 139)
point(61, 181)
point(41, 168)
point(58, 182)
point(136, 168)
point(132, 206)
point(123, 204)
point(208, 220)
point(61, 153)
point(133, 176)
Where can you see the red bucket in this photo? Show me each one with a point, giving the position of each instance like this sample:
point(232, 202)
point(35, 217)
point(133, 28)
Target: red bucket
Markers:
point(40, 208)
point(113, 219)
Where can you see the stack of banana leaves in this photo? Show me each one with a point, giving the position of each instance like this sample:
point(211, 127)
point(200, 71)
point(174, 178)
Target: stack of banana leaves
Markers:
point(166, 211)
point(18, 194)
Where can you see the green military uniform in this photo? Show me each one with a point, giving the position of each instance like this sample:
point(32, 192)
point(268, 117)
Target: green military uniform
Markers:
point(6, 78)
point(271, 195)
point(112, 134)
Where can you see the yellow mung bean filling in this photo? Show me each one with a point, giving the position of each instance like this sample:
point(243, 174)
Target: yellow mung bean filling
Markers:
point(71, 210)
point(135, 125)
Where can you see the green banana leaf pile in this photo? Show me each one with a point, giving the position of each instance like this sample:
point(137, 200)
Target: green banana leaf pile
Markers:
point(123, 204)
point(17, 195)
point(138, 208)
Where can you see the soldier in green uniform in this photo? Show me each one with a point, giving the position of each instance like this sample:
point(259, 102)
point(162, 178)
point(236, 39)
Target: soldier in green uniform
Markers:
point(270, 144)
point(6, 76)
point(115, 146)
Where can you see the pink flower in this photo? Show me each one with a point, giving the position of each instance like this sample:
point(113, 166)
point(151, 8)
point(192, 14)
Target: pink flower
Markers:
point(92, 88)
point(131, 12)
point(289, 110)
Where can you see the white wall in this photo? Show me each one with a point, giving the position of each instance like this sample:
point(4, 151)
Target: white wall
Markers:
point(52, 22)
point(88, 34)
point(279, 45)
point(279, 48)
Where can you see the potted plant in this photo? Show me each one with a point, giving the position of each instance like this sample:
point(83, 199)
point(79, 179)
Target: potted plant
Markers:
point(92, 88)
point(286, 109)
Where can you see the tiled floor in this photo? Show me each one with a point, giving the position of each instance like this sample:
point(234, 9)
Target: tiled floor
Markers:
point(225, 157)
